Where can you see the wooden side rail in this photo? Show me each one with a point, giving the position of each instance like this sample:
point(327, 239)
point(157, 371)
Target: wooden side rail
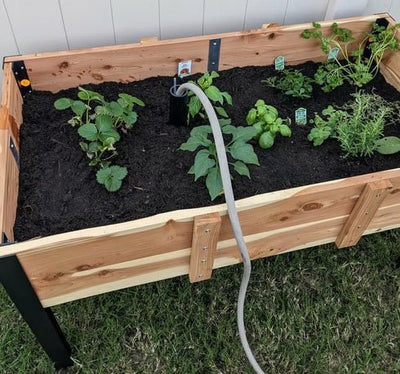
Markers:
point(363, 212)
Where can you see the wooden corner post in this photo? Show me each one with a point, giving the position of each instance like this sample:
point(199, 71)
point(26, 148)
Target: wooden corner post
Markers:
point(204, 245)
point(363, 212)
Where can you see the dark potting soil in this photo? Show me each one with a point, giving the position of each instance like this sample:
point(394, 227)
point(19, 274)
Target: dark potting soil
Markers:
point(58, 190)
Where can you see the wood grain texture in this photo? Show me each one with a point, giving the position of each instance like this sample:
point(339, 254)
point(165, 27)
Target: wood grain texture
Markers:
point(370, 200)
point(56, 71)
point(204, 245)
point(10, 121)
point(79, 264)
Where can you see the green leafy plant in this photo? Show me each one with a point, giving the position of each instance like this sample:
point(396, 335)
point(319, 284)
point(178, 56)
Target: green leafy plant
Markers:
point(111, 177)
point(356, 67)
point(388, 145)
point(267, 123)
point(357, 125)
point(292, 83)
point(324, 128)
point(206, 164)
point(99, 122)
point(217, 97)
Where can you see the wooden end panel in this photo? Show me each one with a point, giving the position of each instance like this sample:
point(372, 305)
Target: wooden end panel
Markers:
point(204, 244)
point(364, 211)
point(125, 64)
point(11, 98)
point(9, 180)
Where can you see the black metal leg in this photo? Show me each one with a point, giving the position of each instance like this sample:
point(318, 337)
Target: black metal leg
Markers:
point(41, 320)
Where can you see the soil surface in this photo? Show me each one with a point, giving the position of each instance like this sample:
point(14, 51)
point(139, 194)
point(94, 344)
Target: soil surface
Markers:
point(58, 190)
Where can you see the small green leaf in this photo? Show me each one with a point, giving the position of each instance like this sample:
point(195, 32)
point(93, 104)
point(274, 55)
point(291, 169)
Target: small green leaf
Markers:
point(194, 105)
point(227, 97)
point(214, 74)
point(214, 183)
point(221, 111)
point(137, 101)
point(130, 118)
point(63, 103)
point(115, 108)
point(88, 131)
point(202, 163)
point(243, 152)
point(285, 130)
point(224, 121)
point(388, 145)
point(78, 107)
point(214, 94)
point(111, 177)
point(244, 134)
point(84, 146)
point(93, 147)
point(241, 168)
point(104, 122)
point(201, 130)
point(85, 94)
point(266, 140)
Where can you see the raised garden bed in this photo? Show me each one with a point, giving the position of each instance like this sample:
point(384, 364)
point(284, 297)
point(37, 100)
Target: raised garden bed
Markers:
point(77, 264)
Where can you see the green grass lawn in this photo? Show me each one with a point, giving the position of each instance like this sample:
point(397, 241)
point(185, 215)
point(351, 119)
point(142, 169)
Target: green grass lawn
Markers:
point(319, 310)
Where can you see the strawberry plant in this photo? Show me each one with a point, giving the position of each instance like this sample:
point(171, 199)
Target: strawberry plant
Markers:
point(99, 122)
point(217, 98)
point(267, 123)
point(357, 67)
point(206, 164)
point(292, 83)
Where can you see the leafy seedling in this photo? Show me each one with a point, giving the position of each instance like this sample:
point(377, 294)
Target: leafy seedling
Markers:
point(267, 123)
point(111, 177)
point(217, 97)
point(356, 67)
point(99, 122)
point(292, 83)
point(206, 164)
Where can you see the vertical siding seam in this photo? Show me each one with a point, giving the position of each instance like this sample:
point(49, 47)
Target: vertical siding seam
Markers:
point(63, 23)
point(202, 24)
point(11, 27)
point(112, 21)
point(159, 20)
point(286, 10)
point(245, 15)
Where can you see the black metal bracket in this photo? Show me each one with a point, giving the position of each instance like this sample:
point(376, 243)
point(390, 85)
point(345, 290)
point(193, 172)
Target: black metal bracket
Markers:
point(213, 54)
point(21, 76)
point(4, 239)
point(40, 320)
point(14, 151)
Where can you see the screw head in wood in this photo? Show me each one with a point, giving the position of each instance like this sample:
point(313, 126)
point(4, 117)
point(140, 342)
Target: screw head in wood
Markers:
point(207, 230)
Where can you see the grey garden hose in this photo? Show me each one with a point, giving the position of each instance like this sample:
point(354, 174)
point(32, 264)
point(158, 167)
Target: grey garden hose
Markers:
point(233, 216)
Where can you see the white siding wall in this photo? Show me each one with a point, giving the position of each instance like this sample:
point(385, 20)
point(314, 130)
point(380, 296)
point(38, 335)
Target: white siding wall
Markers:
point(28, 26)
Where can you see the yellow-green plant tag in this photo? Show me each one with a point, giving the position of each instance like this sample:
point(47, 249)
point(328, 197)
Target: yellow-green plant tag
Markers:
point(280, 63)
point(301, 116)
point(333, 53)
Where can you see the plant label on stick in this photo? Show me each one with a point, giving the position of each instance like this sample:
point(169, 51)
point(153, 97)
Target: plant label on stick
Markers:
point(333, 53)
point(301, 116)
point(280, 63)
point(184, 68)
